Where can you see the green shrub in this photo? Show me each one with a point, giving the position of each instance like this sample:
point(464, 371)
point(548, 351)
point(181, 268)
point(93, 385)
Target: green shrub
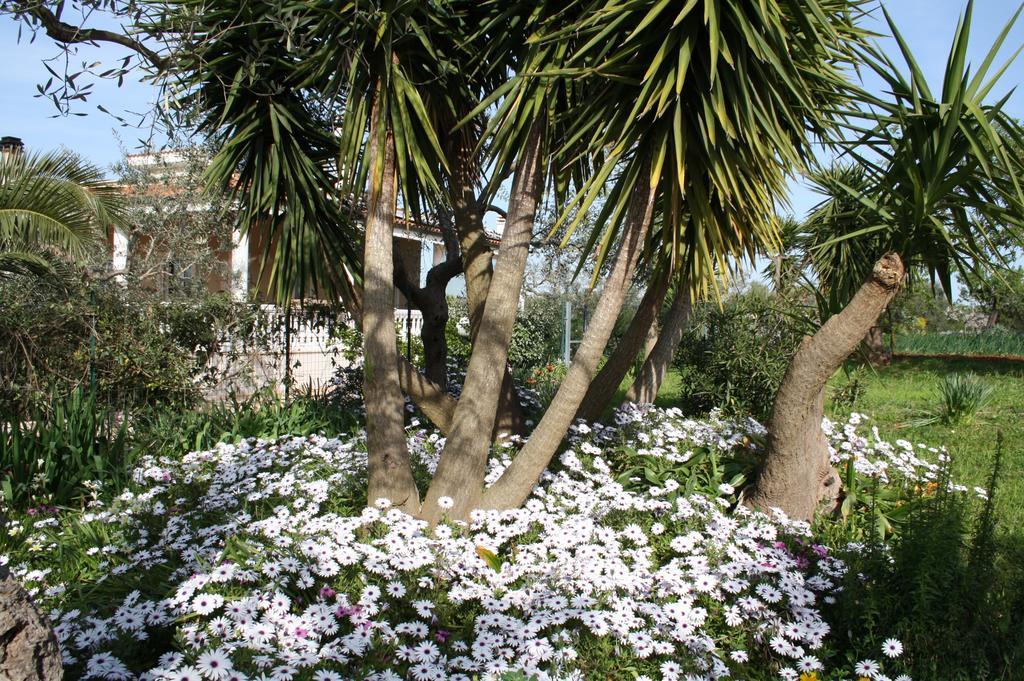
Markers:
point(733, 355)
point(536, 336)
point(128, 347)
point(86, 335)
point(63, 454)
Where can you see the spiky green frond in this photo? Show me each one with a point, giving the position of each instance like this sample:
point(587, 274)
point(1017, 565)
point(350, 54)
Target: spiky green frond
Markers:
point(52, 203)
point(724, 98)
point(943, 170)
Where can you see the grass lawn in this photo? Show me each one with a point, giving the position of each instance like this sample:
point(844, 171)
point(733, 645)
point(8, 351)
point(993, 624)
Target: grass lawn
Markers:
point(894, 395)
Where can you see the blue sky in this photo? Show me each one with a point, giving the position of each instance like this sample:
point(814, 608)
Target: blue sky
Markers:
point(927, 25)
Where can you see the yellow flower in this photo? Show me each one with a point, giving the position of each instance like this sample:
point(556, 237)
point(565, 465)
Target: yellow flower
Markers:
point(809, 676)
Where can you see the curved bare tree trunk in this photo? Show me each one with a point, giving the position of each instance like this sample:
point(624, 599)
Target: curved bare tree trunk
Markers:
point(647, 383)
point(28, 646)
point(462, 467)
point(602, 389)
point(390, 472)
point(795, 474)
point(432, 301)
point(516, 483)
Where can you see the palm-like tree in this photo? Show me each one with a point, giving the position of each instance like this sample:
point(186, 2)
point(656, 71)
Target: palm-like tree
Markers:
point(934, 172)
point(699, 123)
point(53, 206)
point(719, 175)
point(686, 134)
point(328, 100)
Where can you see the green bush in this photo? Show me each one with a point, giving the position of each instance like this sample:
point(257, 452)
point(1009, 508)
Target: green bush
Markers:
point(127, 347)
point(733, 355)
point(459, 348)
point(918, 308)
point(536, 336)
point(86, 335)
point(63, 454)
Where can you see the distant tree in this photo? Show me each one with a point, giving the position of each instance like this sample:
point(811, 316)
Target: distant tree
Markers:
point(177, 230)
point(1000, 295)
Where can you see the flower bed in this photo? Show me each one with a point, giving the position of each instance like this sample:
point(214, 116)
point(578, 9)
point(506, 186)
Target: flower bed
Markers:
point(257, 561)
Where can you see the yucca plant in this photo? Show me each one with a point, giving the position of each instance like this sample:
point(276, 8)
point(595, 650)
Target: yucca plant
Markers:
point(961, 396)
point(936, 171)
point(684, 136)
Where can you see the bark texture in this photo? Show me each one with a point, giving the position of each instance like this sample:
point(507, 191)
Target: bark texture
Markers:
point(390, 473)
point(874, 341)
point(647, 383)
point(602, 389)
point(515, 484)
point(478, 268)
point(795, 474)
point(462, 467)
point(436, 404)
point(28, 646)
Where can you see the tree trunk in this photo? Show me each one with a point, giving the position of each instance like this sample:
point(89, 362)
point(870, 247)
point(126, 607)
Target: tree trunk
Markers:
point(993, 315)
point(461, 469)
point(510, 418)
point(478, 268)
point(518, 480)
point(435, 403)
point(602, 389)
point(796, 475)
point(435, 343)
point(652, 374)
point(390, 473)
point(874, 341)
point(28, 646)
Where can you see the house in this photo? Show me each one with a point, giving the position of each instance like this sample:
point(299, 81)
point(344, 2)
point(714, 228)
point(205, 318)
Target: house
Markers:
point(418, 246)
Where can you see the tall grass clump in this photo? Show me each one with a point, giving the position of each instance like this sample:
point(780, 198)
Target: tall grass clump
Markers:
point(64, 453)
point(993, 342)
point(950, 586)
point(961, 397)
